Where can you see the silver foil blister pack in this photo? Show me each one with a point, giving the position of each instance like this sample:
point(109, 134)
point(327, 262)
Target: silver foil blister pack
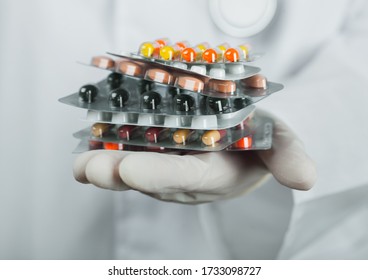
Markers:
point(251, 134)
point(175, 98)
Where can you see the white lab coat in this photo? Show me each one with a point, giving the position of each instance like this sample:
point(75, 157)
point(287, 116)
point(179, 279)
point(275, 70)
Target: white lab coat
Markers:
point(316, 48)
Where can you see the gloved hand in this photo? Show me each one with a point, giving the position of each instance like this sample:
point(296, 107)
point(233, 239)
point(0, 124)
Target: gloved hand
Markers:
point(202, 177)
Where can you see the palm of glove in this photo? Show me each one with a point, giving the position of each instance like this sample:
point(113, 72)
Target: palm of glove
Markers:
point(203, 177)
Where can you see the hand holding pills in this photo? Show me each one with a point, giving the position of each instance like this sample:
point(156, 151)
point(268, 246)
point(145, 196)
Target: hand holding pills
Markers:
point(172, 119)
point(201, 177)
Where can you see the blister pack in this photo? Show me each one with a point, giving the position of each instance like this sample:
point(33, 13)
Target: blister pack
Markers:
point(174, 138)
point(234, 71)
point(251, 134)
point(163, 50)
point(137, 96)
point(218, 121)
point(218, 83)
point(176, 97)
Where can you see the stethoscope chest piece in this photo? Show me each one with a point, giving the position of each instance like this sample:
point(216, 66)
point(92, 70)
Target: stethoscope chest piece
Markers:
point(242, 18)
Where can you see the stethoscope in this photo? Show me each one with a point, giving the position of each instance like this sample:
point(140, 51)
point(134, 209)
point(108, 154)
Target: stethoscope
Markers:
point(242, 18)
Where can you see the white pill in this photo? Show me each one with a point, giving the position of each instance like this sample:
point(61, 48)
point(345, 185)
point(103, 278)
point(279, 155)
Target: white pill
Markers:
point(199, 69)
point(218, 73)
point(235, 69)
point(180, 65)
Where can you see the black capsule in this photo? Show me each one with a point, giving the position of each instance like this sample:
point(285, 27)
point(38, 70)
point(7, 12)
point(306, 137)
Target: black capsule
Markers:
point(119, 97)
point(240, 103)
point(218, 105)
point(114, 80)
point(151, 100)
point(88, 93)
point(184, 102)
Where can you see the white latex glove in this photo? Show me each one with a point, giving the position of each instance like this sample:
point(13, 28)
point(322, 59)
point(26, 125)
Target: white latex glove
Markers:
point(201, 177)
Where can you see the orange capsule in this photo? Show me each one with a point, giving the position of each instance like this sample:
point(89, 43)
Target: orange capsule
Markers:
point(210, 56)
point(188, 54)
point(244, 143)
point(182, 45)
point(194, 53)
point(162, 41)
point(231, 55)
point(113, 146)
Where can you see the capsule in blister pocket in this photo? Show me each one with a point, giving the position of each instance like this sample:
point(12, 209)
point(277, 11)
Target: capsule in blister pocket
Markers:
point(101, 129)
point(243, 143)
point(128, 132)
point(88, 93)
point(221, 86)
point(118, 97)
point(213, 55)
point(152, 49)
point(130, 68)
point(185, 101)
point(95, 145)
point(156, 134)
point(189, 83)
point(159, 75)
point(218, 105)
point(103, 61)
point(114, 80)
point(257, 81)
point(150, 100)
point(193, 54)
point(185, 136)
point(113, 146)
point(173, 52)
point(211, 137)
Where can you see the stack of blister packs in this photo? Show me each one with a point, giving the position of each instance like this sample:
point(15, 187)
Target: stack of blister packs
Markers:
point(174, 97)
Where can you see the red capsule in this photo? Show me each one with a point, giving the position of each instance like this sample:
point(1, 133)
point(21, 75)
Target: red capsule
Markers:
point(127, 132)
point(95, 145)
point(156, 134)
point(155, 149)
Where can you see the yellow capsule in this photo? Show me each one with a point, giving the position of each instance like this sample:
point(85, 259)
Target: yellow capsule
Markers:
point(221, 50)
point(244, 50)
point(181, 135)
point(211, 137)
point(167, 53)
point(203, 46)
point(100, 129)
point(223, 47)
point(146, 49)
